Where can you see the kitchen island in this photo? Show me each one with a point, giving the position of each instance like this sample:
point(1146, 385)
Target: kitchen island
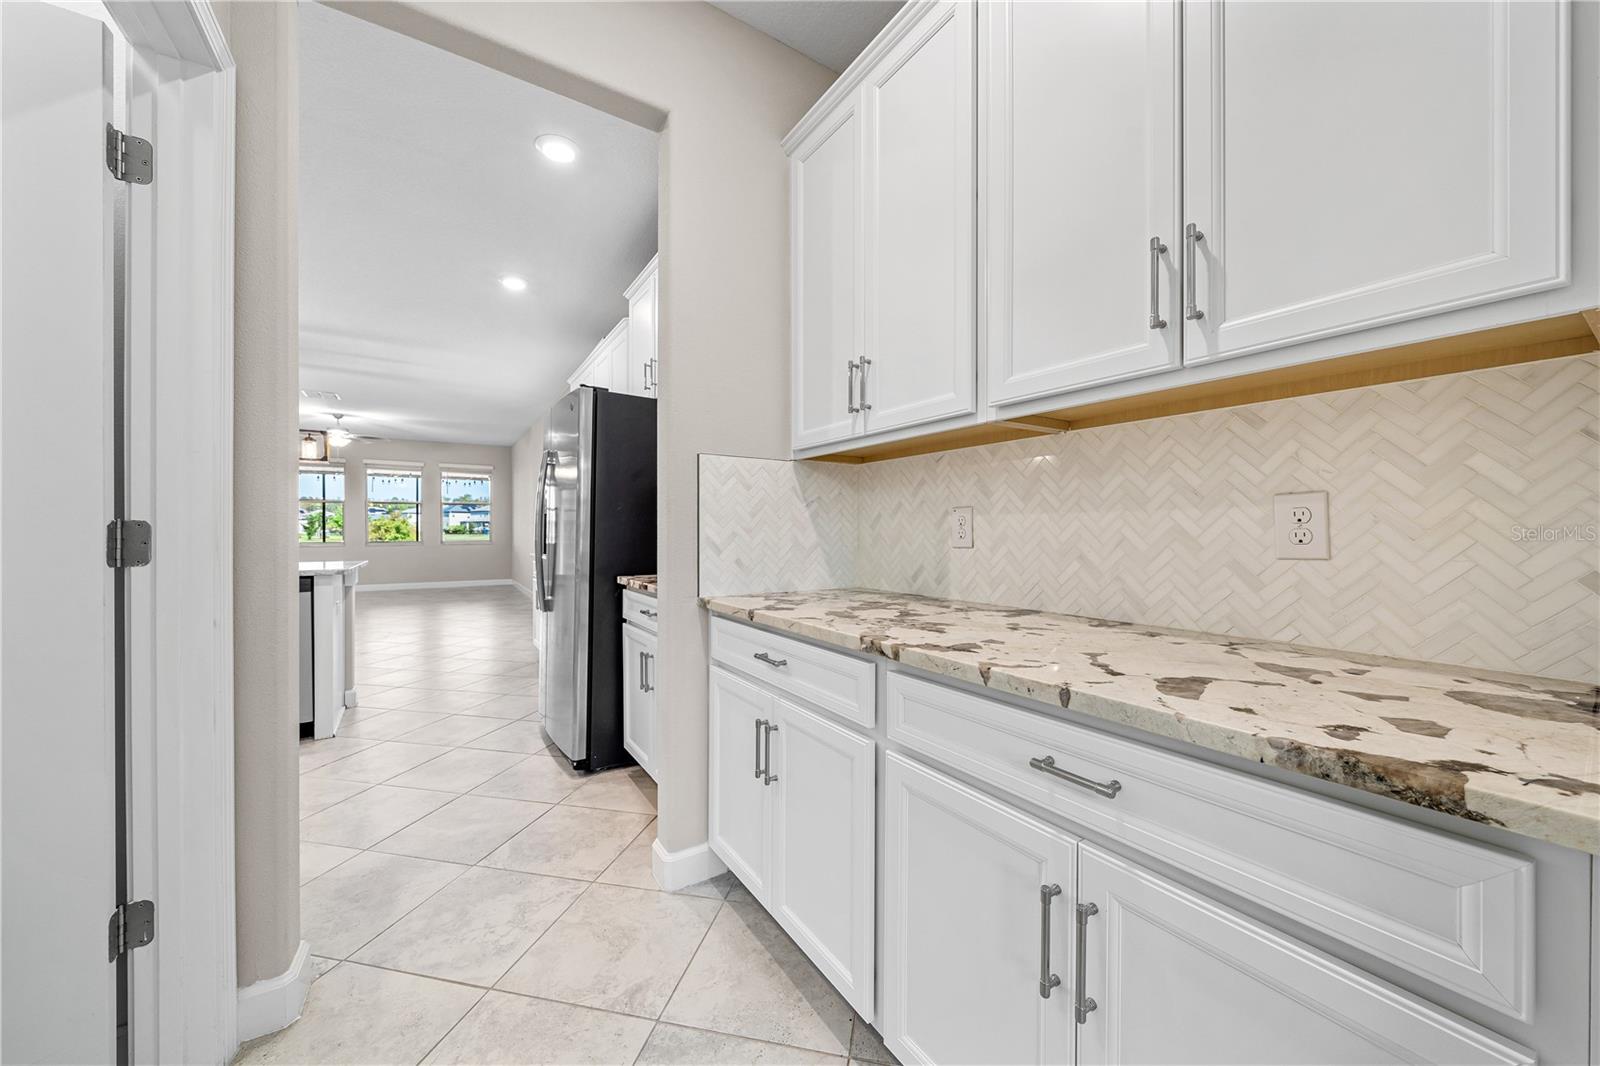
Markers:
point(327, 643)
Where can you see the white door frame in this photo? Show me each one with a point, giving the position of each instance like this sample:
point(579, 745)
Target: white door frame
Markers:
point(180, 82)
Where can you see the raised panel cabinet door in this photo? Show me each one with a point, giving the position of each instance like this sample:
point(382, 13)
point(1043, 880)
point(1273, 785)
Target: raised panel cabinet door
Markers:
point(825, 275)
point(739, 801)
point(638, 695)
point(824, 819)
point(918, 108)
point(967, 894)
point(1175, 977)
point(1081, 202)
point(643, 365)
point(1352, 165)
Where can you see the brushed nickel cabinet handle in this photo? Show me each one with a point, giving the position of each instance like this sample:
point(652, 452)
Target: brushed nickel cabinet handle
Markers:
point(1047, 980)
point(1084, 1004)
point(1157, 250)
point(850, 387)
point(865, 363)
point(649, 685)
point(1047, 764)
point(770, 661)
point(768, 777)
point(1191, 237)
point(761, 724)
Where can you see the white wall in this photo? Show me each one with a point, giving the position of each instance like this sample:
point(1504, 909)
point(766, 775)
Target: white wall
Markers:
point(430, 558)
point(266, 282)
point(728, 95)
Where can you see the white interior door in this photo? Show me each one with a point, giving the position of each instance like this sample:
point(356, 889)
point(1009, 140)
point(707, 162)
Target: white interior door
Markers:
point(963, 916)
point(823, 881)
point(1178, 978)
point(1351, 165)
point(1081, 195)
point(58, 839)
point(918, 106)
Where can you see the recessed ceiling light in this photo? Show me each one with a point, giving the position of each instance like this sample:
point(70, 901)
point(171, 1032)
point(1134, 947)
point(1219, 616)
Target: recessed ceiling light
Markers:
point(556, 149)
point(513, 283)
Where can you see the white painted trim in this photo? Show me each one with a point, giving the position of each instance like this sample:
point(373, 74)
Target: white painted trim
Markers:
point(525, 590)
point(401, 585)
point(276, 1002)
point(674, 870)
point(350, 698)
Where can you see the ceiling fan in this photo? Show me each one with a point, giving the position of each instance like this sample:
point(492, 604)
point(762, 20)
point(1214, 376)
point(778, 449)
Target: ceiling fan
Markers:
point(320, 443)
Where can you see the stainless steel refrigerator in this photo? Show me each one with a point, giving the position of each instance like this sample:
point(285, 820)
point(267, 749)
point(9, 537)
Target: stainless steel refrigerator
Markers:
point(596, 521)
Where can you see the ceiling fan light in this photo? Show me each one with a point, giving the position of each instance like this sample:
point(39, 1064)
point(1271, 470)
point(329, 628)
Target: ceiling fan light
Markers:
point(310, 446)
point(338, 438)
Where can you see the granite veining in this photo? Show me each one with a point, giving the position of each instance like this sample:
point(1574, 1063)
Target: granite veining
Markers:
point(641, 583)
point(1509, 750)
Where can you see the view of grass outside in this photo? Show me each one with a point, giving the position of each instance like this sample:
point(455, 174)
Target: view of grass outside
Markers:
point(464, 506)
point(393, 497)
point(321, 504)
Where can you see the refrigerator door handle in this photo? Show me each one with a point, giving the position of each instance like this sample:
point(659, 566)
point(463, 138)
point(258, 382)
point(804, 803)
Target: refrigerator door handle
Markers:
point(545, 543)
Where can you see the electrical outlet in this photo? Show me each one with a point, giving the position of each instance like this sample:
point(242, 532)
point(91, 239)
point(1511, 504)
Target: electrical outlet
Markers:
point(1300, 525)
point(960, 527)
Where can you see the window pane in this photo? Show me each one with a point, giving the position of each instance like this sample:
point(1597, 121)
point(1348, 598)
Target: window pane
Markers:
point(394, 488)
point(310, 485)
point(333, 523)
point(465, 521)
point(391, 522)
point(335, 489)
point(464, 489)
point(310, 520)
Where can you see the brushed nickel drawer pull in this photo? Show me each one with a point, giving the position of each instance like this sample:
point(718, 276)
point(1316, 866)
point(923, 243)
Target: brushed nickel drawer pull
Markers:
point(1047, 764)
point(767, 776)
point(770, 661)
point(761, 724)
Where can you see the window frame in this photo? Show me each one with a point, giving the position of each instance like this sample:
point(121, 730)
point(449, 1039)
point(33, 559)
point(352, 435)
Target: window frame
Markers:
point(322, 469)
point(466, 472)
point(394, 469)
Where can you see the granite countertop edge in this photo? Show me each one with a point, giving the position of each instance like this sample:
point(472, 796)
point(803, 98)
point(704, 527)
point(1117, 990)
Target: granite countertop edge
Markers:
point(1549, 789)
point(644, 584)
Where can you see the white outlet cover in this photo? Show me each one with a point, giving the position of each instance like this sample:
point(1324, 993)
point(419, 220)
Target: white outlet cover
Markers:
point(1300, 525)
point(960, 527)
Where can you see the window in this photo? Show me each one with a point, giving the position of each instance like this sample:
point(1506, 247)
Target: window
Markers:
point(321, 503)
point(394, 493)
point(464, 503)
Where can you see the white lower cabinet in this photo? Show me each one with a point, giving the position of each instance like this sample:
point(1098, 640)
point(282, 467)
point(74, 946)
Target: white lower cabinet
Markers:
point(793, 815)
point(639, 695)
point(1175, 977)
point(967, 897)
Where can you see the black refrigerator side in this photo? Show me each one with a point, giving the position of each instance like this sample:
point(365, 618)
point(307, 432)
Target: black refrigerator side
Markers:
point(623, 532)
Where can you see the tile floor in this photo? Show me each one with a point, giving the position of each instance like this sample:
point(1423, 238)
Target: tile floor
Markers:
point(470, 899)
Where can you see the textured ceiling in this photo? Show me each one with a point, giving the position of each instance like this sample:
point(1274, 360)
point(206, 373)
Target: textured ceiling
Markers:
point(419, 187)
point(832, 32)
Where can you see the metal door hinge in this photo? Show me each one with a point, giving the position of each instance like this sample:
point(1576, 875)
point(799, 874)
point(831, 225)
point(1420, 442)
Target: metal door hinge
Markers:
point(129, 158)
point(127, 543)
point(133, 925)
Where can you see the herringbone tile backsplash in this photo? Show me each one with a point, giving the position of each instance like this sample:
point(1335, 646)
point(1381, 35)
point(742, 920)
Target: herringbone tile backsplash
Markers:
point(1463, 516)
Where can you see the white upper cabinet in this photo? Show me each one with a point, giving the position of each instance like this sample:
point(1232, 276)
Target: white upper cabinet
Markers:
point(1350, 165)
point(644, 362)
point(920, 205)
point(1081, 213)
point(825, 218)
point(883, 232)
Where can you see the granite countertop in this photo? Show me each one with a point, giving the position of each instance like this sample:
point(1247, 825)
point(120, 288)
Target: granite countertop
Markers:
point(331, 566)
point(1508, 750)
point(645, 583)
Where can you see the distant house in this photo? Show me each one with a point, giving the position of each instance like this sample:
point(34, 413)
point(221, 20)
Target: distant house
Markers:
point(474, 517)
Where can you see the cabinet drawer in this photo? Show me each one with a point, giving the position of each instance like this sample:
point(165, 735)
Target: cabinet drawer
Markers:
point(831, 680)
point(639, 609)
point(1446, 909)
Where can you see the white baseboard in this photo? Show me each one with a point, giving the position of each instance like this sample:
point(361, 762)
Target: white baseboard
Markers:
point(275, 1003)
point(351, 698)
point(680, 869)
point(399, 585)
point(525, 590)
